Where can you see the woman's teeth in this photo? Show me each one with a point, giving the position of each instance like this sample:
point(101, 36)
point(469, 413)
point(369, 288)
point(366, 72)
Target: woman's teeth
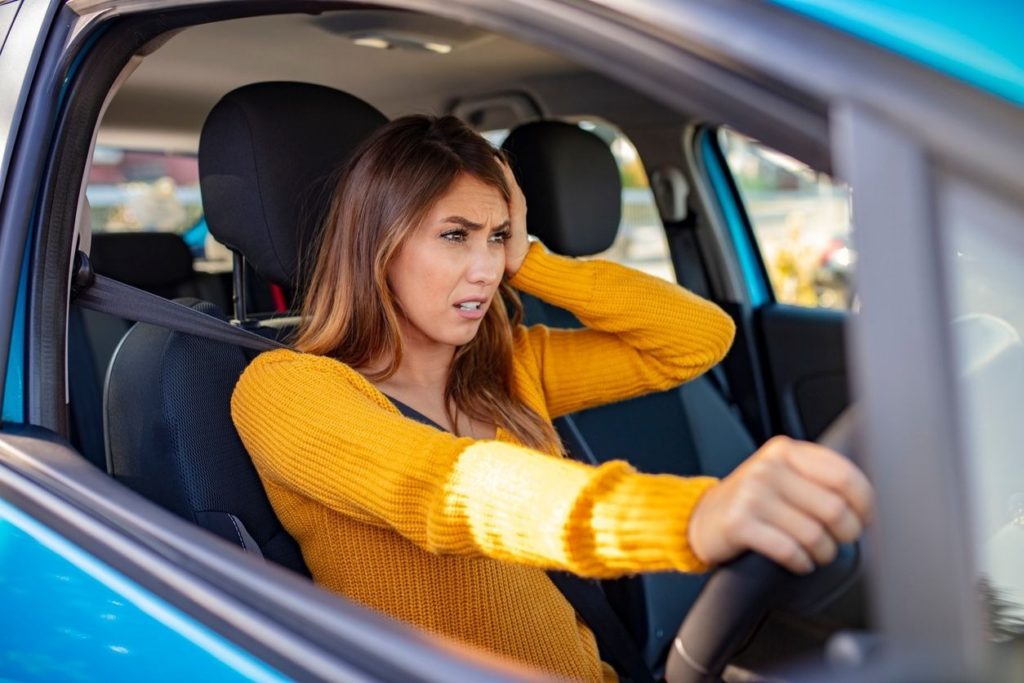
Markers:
point(470, 306)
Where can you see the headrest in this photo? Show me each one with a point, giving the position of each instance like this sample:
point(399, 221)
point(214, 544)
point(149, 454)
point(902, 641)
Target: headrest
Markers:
point(266, 155)
point(154, 261)
point(571, 183)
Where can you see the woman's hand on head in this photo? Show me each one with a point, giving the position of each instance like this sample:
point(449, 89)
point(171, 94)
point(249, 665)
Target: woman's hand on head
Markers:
point(791, 501)
point(518, 243)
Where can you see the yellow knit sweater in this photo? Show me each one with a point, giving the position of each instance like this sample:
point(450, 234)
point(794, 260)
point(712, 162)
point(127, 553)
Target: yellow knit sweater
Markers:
point(453, 535)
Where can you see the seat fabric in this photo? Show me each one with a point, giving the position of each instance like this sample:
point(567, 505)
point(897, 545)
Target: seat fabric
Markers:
point(160, 263)
point(170, 435)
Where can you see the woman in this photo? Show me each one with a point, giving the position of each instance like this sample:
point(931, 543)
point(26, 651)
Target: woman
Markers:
point(450, 527)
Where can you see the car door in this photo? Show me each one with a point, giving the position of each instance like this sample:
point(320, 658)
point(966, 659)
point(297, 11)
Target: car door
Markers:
point(692, 60)
point(69, 615)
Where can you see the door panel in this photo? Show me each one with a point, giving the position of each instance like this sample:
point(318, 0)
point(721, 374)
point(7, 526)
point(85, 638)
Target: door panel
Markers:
point(805, 362)
point(791, 230)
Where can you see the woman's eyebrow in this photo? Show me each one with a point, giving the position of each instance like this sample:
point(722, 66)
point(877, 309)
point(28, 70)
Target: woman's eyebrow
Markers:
point(472, 225)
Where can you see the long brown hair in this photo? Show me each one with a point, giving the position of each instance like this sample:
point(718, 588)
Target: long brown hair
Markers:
point(349, 311)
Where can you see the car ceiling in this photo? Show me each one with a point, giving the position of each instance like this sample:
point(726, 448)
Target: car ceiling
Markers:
point(163, 103)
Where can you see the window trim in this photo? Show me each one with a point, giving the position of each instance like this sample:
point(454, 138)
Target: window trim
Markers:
point(912, 424)
point(729, 202)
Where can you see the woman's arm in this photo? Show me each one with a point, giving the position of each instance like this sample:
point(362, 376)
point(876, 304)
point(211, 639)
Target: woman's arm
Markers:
point(319, 428)
point(790, 501)
point(643, 334)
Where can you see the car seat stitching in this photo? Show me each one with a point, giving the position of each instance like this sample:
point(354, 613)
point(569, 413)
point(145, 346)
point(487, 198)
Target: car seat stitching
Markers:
point(238, 531)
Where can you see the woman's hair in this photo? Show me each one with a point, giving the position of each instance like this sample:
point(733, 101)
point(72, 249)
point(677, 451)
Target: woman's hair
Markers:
point(349, 311)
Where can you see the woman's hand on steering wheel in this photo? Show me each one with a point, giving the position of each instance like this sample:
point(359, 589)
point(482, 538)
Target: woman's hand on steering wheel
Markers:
point(517, 244)
point(791, 501)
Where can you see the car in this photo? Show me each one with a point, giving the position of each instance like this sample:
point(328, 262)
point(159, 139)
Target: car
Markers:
point(737, 126)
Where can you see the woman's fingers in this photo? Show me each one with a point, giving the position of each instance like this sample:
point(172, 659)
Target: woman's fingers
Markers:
point(792, 501)
point(810, 533)
point(517, 201)
point(778, 546)
point(517, 244)
point(833, 471)
point(829, 509)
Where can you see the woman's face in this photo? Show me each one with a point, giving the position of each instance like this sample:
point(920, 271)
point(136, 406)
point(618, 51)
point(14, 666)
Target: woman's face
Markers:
point(446, 273)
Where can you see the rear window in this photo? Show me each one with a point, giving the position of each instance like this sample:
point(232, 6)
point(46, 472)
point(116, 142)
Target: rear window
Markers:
point(145, 191)
point(131, 191)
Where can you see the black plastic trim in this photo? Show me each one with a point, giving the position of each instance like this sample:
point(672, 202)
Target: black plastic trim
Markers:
point(28, 136)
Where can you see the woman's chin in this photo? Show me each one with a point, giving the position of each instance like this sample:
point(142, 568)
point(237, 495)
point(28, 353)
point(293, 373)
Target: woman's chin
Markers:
point(462, 336)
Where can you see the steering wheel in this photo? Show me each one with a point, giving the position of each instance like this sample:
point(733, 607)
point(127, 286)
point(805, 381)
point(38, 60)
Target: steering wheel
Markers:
point(740, 594)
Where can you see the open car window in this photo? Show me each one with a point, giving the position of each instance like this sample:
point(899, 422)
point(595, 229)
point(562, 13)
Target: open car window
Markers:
point(801, 220)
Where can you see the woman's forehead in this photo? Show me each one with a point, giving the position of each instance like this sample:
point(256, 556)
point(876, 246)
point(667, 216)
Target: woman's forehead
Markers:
point(471, 198)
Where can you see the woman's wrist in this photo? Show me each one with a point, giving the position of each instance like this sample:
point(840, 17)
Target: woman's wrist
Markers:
point(531, 245)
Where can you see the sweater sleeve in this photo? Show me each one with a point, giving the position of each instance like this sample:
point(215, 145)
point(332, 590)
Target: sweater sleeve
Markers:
point(642, 333)
point(317, 427)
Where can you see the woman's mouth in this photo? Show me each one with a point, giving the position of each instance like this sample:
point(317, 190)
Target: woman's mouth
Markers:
point(471, 309)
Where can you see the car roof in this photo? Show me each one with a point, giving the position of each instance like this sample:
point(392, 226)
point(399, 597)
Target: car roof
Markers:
point(976, 42)
point(166, 99)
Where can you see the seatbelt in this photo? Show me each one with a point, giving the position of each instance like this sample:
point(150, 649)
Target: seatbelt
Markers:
point(116, 298)
point(613, 640)
point(691, 271)
point(105, 295)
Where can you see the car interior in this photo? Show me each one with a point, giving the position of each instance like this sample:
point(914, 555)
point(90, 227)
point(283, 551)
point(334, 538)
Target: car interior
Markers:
point(268, 108)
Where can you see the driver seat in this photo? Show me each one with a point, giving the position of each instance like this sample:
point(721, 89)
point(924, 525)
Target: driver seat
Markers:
point(167, 398)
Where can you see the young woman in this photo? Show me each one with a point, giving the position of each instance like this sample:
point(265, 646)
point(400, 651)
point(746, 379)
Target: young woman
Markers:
point(451, 527)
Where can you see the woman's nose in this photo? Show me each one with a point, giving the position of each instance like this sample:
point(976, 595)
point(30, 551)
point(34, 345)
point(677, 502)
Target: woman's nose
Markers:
point(486, 265)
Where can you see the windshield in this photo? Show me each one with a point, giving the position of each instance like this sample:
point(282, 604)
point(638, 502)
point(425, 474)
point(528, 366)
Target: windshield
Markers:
point(984, 256)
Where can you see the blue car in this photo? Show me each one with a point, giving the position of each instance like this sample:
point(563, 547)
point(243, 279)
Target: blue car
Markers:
point(750, 138)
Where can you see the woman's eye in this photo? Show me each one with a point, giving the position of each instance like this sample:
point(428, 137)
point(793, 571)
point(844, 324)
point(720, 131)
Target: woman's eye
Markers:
point(501, 237)
point(454, 236)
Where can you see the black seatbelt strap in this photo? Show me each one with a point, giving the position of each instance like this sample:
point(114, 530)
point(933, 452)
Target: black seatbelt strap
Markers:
point(614, 641)
point(116, 298)
point(414, 414)
point(691, 272)
point(572, 438)
point(105, 295)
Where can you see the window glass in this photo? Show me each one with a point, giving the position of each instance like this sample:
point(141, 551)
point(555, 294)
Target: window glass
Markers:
point(143, 191)
point(801, 220)
point(640, 242)
point(139, 191)
point(985, 249)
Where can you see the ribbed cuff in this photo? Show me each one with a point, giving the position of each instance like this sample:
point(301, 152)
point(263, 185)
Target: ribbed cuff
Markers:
point(559, 280)
point(650, 514)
